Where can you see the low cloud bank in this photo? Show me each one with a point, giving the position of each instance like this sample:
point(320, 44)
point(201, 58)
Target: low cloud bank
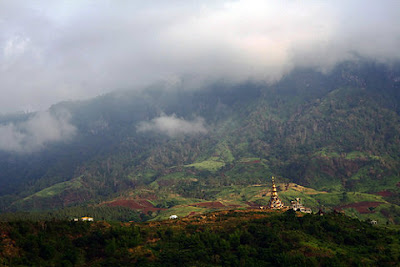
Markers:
point(173, 126)
point(32, 135)
point(57, 50)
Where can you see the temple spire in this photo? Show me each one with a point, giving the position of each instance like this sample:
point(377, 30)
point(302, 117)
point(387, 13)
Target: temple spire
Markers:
point(274, 202)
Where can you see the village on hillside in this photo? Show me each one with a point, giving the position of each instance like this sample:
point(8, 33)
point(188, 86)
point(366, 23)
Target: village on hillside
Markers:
point(275, 203)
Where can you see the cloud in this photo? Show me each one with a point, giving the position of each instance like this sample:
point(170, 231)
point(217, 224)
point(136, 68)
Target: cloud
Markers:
point(59, 50)
point(173, 126)
point(35, 133)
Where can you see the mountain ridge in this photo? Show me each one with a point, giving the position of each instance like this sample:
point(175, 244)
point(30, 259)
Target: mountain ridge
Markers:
point(337, 131)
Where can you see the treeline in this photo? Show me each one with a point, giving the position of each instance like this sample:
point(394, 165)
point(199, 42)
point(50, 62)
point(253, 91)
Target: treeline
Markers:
point(220, 239)
point(121, 214)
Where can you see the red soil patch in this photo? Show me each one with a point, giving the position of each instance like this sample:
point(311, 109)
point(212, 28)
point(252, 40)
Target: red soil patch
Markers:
point(139, 204)
point(215, 204)
point(398, 184)
point(384, 193)
point(252, 204)
point(234, 206)
point(362, 207)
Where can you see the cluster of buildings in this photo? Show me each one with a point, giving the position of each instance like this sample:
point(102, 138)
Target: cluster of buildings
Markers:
point(275, 203)
point(85, 219)
point(297, 206)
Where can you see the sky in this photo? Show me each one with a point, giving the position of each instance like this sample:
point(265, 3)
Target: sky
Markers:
point(52, 51)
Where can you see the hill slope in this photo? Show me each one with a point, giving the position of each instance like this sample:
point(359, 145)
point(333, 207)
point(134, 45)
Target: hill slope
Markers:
point(245, 238)
point(337, 132)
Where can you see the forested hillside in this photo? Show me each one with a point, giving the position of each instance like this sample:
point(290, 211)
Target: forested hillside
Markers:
point(335, 132)
point(231, 238)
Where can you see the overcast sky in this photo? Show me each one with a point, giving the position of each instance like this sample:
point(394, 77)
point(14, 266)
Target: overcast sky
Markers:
point(60, 50)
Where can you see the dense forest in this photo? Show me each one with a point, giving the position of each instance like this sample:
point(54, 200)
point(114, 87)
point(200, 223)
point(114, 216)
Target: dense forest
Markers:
point(229, 238)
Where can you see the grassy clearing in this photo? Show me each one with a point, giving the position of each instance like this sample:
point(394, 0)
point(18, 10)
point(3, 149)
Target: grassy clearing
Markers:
point(358, 154)
point(210, 165)
point(165, 199)
point(232, 193)
point(305, 190)
point(329, 184)
point(307, 200)
point(57, 188)
point(248, 159)
point(329, 200)
point(358, 197)
point(224, 152)
point(327, 153)
point(368, 183)
point(239, 194)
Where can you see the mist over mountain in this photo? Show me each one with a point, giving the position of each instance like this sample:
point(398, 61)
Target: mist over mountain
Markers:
point(51, 52)
point(32, 134)
point(233, 132)
point(337, 132)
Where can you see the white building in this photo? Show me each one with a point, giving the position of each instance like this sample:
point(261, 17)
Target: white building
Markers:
point(89, 219)
point(297, 206)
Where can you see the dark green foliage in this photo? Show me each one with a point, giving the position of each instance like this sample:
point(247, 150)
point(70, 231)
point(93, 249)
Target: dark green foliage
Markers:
point(121, 214)
point(279, 239)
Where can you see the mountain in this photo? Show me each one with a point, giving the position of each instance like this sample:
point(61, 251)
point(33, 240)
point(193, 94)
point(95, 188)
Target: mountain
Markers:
point(336, 134)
